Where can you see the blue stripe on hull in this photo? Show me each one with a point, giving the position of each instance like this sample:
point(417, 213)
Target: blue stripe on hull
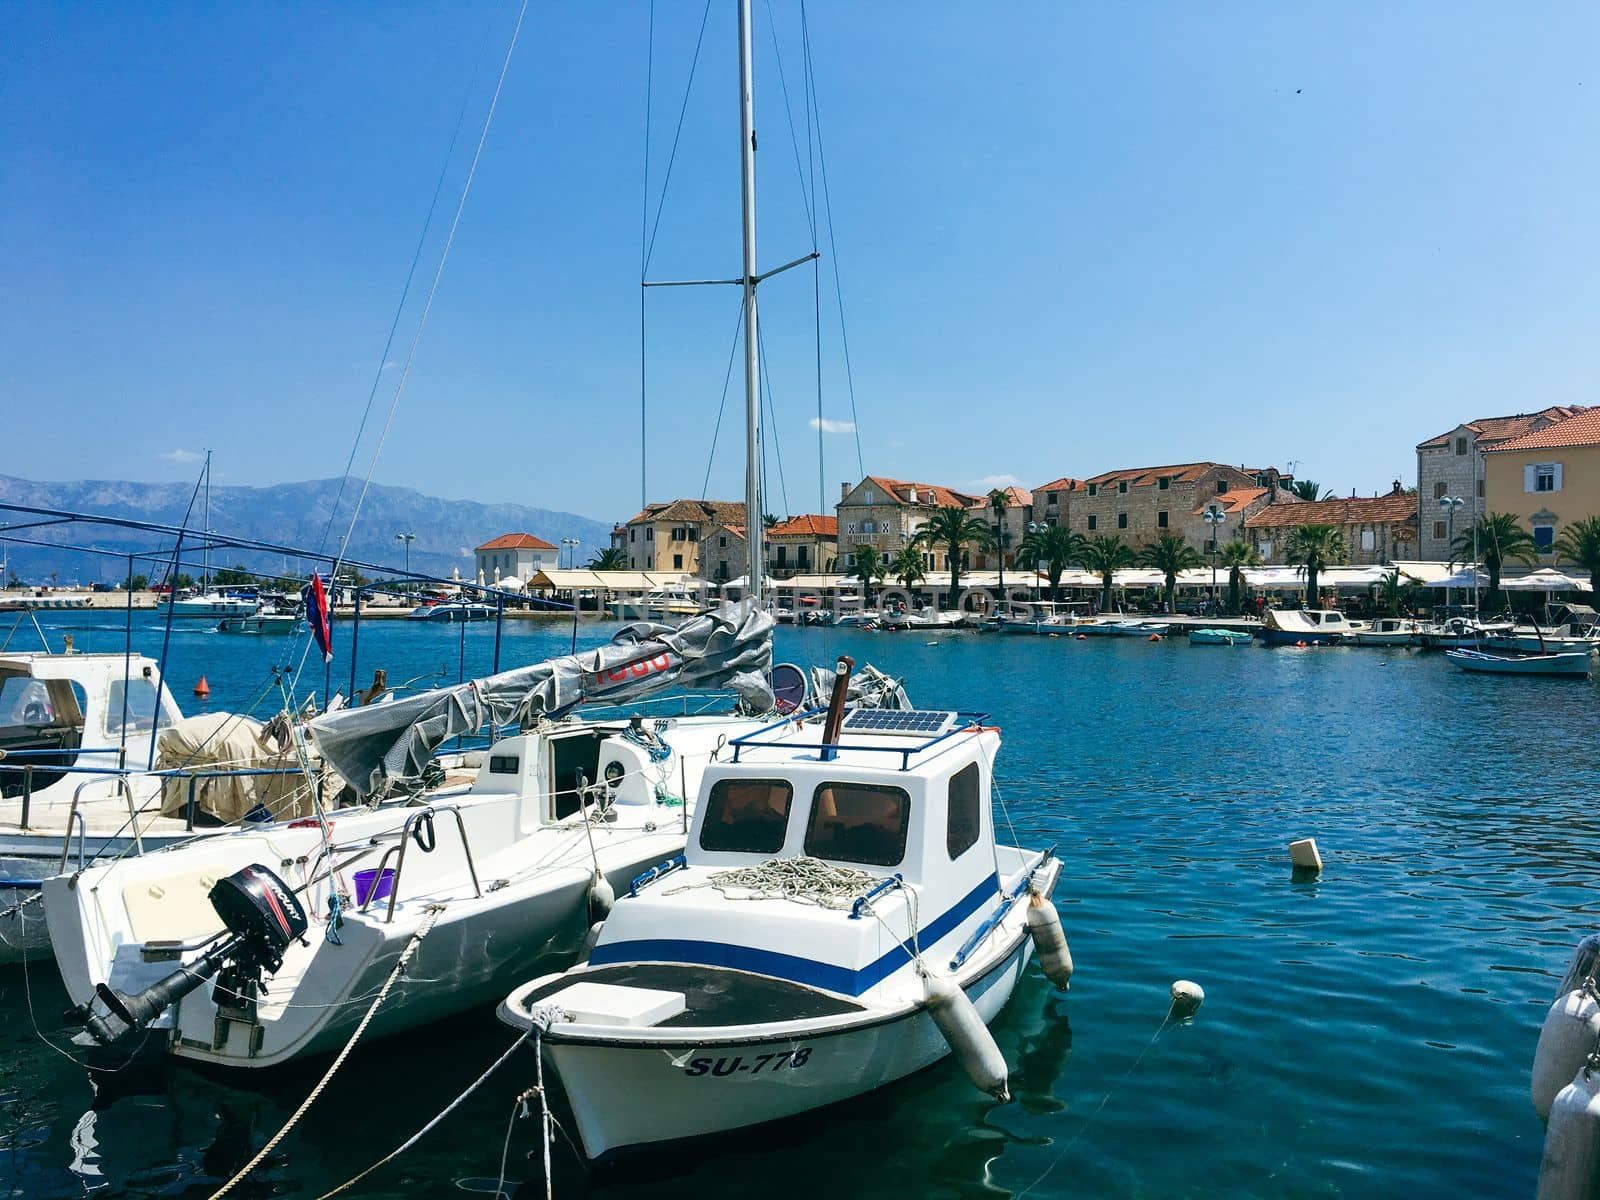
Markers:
point(809, 971)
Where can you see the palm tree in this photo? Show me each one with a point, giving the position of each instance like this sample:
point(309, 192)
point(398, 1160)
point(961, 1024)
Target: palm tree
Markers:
point(1313, 547)
point(907, 567)
point(1496, 537)
point(954, 529)
point(1309, 489)
point(1236, 555)
point(1579, 543)
point(1395, 591)
point(1105, 554)
point(1169, 554)
point(866, 566)
point(1053, 545)
point(612, 558)
point(999, 501)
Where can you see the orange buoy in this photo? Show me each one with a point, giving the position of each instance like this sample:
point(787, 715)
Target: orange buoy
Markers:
point(1083, 637)
point(202, 688)
point(1301, 644)
point(1154, 637)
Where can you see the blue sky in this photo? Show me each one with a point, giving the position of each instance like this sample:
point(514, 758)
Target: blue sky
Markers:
point(1071, 237)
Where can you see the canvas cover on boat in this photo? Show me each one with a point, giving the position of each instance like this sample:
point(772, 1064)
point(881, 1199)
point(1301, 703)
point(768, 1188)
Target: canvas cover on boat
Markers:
point(230, 742)
point(728, 647)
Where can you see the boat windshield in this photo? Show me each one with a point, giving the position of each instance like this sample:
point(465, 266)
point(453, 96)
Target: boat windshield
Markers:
point(141, 705)
point(859, 822)
point(749, 816)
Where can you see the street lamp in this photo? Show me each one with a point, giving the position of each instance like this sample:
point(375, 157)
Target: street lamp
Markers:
point(572, 557)
point(1214, 517)
point(1449, 504)
point(405, 539)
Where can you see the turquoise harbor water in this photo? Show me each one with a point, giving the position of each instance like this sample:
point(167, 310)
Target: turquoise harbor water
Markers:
point(1368, 1033)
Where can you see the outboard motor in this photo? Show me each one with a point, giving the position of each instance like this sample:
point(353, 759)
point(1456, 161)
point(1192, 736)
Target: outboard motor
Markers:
point(263, 916)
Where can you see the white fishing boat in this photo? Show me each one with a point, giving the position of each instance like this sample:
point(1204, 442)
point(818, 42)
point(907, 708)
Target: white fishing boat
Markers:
point(1043, 618)
point(841, 918)
point(271, 623)
point(671, 603)
point(1388, 631)
point(1569, 663)
point(1308, 626)
point(452, 610)
point(212, 604)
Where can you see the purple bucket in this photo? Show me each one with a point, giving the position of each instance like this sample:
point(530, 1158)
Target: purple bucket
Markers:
point(364, 885)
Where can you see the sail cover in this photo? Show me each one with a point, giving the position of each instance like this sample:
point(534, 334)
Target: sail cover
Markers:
point(730, 646)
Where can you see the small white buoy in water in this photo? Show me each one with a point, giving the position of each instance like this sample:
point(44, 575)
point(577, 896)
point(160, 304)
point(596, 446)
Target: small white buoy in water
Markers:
point(969, 1038)
point(1571, 1157)
point(1049, 940)
point(1303, 854)
point(1571, 1030)
point(601, 897)
point(1187, 996)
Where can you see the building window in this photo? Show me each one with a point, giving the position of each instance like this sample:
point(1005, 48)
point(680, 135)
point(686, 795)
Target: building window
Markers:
point(1480, 489)
point(801, 557)
point(1439, 490)
point(1094, 489)
point(783, 555)
point(694, 534)
point(633, 562)
point(962, 820)
point(1122, 487)
point(869, 527)
point(1438, 530)
point(1164, 482)
point(1222, 486)
point(1461, 445)
point(850, 527)
point(1546, 477)
point(632, 533)
point(722, 541)
point(650, 533)
point(677, 562)
point(866, 497)
point(1092, 522)
point(1122, 520)
point(1369, 539)
point(1161, 519)
point(1544, 537)
point(1051, 497)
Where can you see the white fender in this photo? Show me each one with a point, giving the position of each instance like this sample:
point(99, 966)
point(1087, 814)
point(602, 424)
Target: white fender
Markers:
point(969, 1038)
point(1572, 1142)
point(1049, 941)
point(590, 940)
point(1571, 1031)
point(601, 897)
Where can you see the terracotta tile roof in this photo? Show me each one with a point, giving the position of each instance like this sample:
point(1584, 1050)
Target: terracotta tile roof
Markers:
point(1232, 501)
point(806, 525)
point(932, 495)
point(736, 530)
point(1581, 429)
point(1015, 498)
point(1149, 476)
point(515, 541)
point(1491, 430)
point(721, 512)
point(1371, 510)
point(1065, 484)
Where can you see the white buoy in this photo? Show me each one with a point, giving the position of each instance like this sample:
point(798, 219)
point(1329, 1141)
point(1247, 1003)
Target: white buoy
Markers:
point(1571, 1032)
point(1187, 997)
point(601, 897)
point(1303, 854)
point(1049, 941)
point(969, 1038)
point(1567, 1170)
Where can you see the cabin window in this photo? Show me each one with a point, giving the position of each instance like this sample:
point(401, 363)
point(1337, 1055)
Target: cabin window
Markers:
point(747, 816)
point(859, 822)
point(141, 696)
point(962, 821)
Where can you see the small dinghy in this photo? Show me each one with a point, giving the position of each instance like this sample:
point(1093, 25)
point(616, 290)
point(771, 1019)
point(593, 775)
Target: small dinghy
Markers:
point(841, 918)
point(1219, 637)
point(1570, 662)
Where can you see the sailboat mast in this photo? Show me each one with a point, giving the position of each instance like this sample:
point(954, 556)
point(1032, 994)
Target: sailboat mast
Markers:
point(754, 529)
point(205, 571)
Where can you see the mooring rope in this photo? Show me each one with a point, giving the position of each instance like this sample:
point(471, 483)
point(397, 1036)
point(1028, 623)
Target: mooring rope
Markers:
point(803, 880)
point(333, 1069)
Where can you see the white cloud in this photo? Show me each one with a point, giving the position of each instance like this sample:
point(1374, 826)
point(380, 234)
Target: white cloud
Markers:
point(989, 482)
point(828, 425)
point(181, 456)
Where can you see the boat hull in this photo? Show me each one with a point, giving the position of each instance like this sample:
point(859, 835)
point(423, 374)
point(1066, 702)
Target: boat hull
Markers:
point(1571, 665)
point(626, 1097)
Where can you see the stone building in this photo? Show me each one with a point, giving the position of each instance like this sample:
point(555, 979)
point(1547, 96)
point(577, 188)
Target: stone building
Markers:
point(1052, 502)
point(1143, 503)
point(1548, 478)
point(671, 536)
point(515, 555)
point(803, 545)
point(887, 513)
point(1008, 530)
point(1377, 529)
point(1451, 465)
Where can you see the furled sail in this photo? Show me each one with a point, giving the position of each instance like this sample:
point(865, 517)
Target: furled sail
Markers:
point(730, 646)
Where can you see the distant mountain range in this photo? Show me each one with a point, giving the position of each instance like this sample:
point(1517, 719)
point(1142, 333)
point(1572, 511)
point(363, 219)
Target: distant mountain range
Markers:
point(286, 514)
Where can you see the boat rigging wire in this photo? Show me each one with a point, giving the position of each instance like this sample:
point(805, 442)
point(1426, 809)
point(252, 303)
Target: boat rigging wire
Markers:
point(427, 308)
point(727, 378)
point(772, 424)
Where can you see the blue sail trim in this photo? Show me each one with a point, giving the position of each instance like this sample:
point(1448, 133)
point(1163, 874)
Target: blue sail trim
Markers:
point(807, 971)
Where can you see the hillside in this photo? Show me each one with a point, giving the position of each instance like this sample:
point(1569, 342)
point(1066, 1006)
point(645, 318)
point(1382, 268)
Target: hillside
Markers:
point(292, 514)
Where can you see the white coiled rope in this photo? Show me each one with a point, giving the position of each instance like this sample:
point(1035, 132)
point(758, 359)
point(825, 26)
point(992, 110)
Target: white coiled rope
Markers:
point(803, 880)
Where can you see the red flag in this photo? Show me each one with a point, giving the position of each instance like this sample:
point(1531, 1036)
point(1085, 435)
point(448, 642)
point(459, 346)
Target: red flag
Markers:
point(316, 602)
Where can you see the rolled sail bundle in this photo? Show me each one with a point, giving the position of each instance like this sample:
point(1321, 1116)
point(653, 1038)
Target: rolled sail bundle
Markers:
point(728, 647)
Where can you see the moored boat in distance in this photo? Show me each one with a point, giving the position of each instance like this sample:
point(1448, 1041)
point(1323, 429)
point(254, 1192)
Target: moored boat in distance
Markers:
point(1569, 663)
point(1219, 637)
point(209, 604)
point(1388, 631)
point(452, 610)
point(1311, 626)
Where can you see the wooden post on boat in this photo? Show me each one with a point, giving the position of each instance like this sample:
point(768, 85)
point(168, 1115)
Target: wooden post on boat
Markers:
point(841, 685)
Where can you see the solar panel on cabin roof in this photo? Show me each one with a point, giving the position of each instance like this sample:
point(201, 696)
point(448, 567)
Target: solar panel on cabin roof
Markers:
point(912, 722)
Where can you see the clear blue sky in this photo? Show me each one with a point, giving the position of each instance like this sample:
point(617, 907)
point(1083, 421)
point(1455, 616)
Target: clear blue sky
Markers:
point(1071, 237)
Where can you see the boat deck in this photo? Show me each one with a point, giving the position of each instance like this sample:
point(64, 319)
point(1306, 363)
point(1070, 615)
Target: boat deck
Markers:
point(712, 995)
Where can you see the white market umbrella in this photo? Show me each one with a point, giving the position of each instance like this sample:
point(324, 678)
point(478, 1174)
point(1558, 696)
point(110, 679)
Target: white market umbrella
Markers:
point(1545, 579)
